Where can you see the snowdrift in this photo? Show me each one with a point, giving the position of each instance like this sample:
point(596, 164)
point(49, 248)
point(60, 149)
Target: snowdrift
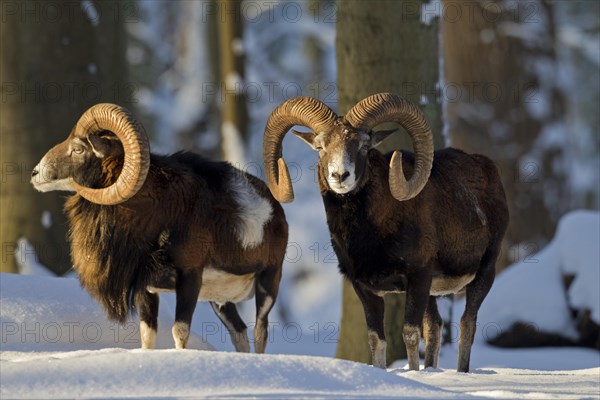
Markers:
point(49, 314)
point(533, 292)
point(56, 343)
point(172, 373)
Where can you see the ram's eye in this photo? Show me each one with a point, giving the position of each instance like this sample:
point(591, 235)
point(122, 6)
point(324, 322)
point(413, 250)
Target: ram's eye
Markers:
point(78, 149)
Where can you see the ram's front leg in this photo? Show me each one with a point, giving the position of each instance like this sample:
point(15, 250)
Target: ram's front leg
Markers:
point(147, 304)
point(417, 296)
point(373, 306)
point(187, 290)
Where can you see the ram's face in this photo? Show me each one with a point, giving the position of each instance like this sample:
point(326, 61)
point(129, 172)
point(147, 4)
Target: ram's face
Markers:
point(342, 156)
point(78, 158)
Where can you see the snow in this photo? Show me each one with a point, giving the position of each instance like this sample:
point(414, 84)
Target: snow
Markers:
point(39, 313)
point(530, 290)
point(577, 237)
point(589, 45)
point(88, 7)
point(233, 147)
point(510, 383)
point(92, 68)
point(117, 373)
point(27, 260)
point(237, 45)
point(171, 373)
point(47, 219)
point(430, 11)
point(511, 299)
point(56, 343)
point(234, 83)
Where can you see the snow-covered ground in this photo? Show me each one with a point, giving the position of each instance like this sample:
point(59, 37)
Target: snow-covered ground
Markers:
point(56, 343)
point(121, 373)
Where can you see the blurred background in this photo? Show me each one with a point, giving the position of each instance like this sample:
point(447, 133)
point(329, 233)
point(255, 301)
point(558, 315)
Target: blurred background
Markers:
point(517, 81)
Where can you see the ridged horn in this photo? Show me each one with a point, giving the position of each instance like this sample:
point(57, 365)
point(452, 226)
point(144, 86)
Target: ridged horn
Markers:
point(136, 163)
point(388, 107)
point(304, 111)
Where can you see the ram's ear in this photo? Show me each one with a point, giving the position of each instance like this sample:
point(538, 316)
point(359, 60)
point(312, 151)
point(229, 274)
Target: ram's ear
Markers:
point(104, 145)
point(308, 137)
point(379, 136)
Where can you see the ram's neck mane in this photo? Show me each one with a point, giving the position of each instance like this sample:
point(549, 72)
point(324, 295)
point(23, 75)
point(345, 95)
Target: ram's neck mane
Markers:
point(111, 169)
point(106, 257)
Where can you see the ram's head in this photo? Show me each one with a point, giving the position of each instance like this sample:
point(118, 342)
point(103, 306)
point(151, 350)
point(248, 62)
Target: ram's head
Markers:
point(343, 143)
point(105, 131)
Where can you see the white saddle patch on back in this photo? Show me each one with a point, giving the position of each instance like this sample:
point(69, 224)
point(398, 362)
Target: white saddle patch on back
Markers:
point(255, 211)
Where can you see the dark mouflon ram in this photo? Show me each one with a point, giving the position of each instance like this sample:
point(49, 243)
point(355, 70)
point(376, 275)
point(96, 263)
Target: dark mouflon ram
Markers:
point(437, 233)
point(141, 224)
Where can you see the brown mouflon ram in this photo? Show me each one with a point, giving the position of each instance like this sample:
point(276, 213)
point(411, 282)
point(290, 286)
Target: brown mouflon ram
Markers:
point(141, 224)
point(437, 233)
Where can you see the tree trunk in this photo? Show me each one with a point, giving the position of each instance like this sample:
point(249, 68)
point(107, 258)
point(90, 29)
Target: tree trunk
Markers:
point(382, 46)
point(57, 60)
point(234, 113)
point(501, 98)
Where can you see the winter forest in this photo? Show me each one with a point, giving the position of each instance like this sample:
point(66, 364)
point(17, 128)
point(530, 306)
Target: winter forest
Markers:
point(515, 80)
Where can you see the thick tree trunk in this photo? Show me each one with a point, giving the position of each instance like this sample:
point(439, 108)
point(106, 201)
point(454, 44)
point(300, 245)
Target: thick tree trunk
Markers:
point(501, 98)
point(234, 113)
point(57, 60)
point(382, 46)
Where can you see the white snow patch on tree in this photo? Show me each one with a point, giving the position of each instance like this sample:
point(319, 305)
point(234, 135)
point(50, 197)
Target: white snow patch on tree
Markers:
point(234, 83)
point(88, 7)
point(47, 219)
point(233, 145)
point(92, 69)
point(237, 46)
point(430, 10)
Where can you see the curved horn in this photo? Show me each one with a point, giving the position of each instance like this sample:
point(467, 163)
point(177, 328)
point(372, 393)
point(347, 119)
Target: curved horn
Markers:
point(304, 111)
point(136, 149)
point(388, 107)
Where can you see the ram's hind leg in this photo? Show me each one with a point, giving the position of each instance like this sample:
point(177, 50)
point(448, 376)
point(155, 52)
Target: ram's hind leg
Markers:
point(229, 316)
point(147, 304)
point(187, 290)
point(432, 331)
point(267, 288)
point(476, 292)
